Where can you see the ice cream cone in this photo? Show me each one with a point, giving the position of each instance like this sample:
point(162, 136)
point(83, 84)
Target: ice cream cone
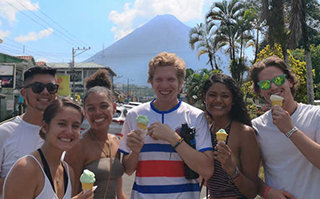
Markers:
point(87, 180)
point(276, 100)
point(221, 135)
point(142, 122)
point(87, 186)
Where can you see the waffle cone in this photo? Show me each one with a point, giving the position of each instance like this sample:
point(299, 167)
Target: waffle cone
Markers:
point(142, 126)
point(87, 186)
point(277, 102)
point(221, 136)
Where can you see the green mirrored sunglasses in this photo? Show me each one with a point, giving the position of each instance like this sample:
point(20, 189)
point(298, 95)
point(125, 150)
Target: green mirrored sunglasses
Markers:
point(278, 80)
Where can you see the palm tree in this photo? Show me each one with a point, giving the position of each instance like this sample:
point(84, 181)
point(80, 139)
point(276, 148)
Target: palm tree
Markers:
point(232, 32)
point(298, 29)
point(201, 38)
point(273, 12)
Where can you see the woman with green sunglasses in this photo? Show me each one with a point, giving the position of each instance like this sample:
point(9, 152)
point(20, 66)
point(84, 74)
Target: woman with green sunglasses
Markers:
point(289, 136)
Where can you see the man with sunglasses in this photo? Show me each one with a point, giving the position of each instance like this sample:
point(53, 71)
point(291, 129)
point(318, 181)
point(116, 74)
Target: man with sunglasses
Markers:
point(20, 135)
point(289, 136)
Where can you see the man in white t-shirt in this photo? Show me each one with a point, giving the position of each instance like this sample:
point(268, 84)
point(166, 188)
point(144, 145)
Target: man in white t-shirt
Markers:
point(20, 135)
point(288, 135)
point(159, 158)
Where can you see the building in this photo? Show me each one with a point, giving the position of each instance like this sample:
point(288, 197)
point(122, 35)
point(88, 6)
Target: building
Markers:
point(79, 73)
point(11, 76)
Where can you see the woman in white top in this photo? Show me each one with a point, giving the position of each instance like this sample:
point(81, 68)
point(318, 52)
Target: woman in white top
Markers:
point(42, 174)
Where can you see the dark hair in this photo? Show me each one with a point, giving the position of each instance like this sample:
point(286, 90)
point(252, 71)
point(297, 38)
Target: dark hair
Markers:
point(99, 78)
point(98, 89)
point(55, 107)
point(31, 72)
point(238, 110)
point(276, 62)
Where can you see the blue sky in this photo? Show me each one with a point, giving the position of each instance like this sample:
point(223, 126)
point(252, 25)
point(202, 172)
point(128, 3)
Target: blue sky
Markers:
point(49, 29)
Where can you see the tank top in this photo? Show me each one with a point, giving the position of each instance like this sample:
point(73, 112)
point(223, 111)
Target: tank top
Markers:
point(47, 191)
point(219, 184)
point(101, 169)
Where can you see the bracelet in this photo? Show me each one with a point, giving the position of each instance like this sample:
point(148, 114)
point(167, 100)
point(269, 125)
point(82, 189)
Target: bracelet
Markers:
point(236, 174)
point(178, 143)
point(266, 192)
point(294, 129)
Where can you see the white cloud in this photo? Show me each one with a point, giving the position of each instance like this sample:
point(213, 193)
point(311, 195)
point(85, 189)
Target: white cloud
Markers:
point(33, 36)
point(9, 8)
point(184, 10)
point(4, 34)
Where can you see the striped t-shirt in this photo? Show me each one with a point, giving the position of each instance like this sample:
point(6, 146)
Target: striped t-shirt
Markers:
point(160, 173)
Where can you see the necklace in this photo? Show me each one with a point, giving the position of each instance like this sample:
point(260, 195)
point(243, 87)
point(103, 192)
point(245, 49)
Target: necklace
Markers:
point(226, 126)
point(102, 148)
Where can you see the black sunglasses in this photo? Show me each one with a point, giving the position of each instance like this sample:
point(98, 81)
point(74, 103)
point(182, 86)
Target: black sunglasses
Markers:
point(37, 87)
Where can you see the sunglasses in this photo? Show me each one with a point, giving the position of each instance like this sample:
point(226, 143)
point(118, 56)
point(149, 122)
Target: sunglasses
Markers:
point(278, 80)
point(37, 87)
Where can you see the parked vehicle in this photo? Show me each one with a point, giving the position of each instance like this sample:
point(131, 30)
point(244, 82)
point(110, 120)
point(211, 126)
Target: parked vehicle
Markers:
point(117, 121)
point(135, 103)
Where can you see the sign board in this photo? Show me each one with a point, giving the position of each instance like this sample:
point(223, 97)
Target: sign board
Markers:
point(6, 70)
point(64, 85)
point(10, 105)
point(6, 81)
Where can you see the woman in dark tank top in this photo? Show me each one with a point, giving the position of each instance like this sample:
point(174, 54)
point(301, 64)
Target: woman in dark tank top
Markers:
point(237, 160)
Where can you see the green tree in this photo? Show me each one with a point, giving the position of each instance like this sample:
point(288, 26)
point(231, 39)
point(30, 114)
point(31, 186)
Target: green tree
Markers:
point(298, 30)
point(194, 82)
point(202, 40)
point(273, 12)
point(231, 25)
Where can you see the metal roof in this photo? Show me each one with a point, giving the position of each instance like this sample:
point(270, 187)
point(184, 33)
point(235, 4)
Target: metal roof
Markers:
point(84, 65)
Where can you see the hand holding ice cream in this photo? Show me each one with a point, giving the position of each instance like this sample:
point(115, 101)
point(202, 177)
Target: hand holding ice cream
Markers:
point(276, 100)
point(142, 122)
point(221, 135)
point(87, 179)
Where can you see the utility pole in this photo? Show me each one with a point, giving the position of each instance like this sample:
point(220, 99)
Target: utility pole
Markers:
point(74, 50)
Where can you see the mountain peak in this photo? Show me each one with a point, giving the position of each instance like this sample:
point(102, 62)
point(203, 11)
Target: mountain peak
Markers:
point(129, 56)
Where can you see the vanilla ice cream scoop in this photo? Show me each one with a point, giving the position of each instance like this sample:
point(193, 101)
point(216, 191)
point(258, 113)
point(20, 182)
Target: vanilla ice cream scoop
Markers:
point(276, 100)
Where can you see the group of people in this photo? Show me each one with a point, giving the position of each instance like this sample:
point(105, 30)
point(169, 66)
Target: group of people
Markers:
point(285, 139)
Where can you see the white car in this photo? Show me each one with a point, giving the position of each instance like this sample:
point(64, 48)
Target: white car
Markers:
point(117, 121)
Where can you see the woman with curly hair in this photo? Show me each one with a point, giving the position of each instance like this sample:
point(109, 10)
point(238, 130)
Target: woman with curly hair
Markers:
point(97, 149)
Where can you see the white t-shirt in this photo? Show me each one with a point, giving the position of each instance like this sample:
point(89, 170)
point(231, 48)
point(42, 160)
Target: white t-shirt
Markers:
point(17, 139)
point(160, 172)
point(284, 165)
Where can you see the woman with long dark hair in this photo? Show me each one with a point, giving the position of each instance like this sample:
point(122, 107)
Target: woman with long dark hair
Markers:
point(236, 161)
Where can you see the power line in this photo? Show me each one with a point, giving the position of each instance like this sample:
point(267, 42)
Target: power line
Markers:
point(45, 21)
point(35, 21)
point(60, 26)
point(32, 50)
